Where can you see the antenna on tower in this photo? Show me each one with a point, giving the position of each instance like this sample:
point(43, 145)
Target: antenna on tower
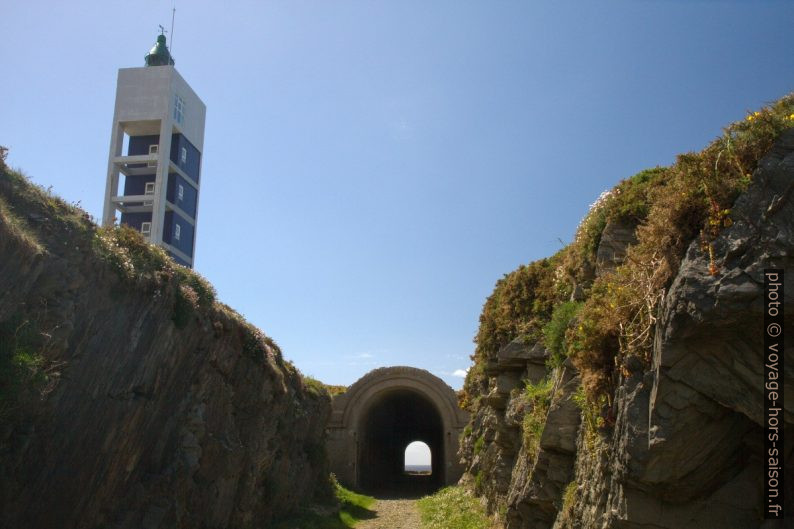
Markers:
point(173, 16)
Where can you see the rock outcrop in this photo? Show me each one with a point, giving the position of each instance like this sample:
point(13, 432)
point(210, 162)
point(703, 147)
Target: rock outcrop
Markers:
point(147, 410)
point(522, 481)
point(679, 442)
point(687, 448)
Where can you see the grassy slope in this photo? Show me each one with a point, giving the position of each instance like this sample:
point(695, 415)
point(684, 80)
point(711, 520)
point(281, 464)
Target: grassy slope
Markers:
point(452, 508)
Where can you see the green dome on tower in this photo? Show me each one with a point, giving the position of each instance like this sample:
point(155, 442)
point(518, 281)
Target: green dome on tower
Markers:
point(159, 54)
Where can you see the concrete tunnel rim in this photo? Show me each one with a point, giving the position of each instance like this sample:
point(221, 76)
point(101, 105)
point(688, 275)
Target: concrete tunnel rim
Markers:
point(359, 398)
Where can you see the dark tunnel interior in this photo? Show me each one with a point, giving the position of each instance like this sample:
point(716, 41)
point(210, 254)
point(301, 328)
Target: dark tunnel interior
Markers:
point(390, 424)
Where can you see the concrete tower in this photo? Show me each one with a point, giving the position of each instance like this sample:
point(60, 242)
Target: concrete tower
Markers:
point(159, 122)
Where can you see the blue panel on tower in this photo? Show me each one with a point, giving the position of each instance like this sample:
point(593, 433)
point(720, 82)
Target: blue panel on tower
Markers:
point(182, 194)
point(178, 232)
point(186, 156)
point(134, 220)
point(136, 184)
point(140, 144)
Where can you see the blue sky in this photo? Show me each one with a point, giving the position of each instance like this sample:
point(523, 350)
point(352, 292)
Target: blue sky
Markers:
point(372, 168)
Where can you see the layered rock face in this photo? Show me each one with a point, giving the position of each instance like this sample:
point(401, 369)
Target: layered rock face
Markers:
point(683, 448)
point(687, 448)
point(523, 481)
point(136, 422)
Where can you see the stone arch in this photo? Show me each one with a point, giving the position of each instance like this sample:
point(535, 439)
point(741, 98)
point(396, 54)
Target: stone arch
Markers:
point(379, 415)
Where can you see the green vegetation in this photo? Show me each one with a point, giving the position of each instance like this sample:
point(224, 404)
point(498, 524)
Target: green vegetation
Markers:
point(569, 500)
point(335, 390)
point(353, 508)
point(478, 479)
point(554, 330)
point(538, 397)
point(479, 444)
point(452, 508)
point(314, 386)
point(140, 263)
point(628, 203)
point(22, 365)
point(521, 304)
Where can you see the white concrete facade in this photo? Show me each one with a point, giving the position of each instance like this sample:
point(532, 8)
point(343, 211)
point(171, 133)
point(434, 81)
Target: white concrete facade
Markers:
point(146, 101)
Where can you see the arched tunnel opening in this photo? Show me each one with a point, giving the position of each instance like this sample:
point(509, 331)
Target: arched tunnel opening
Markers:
point(392, 422)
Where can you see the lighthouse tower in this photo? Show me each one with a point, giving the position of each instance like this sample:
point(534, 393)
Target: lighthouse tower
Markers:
point(154, 166)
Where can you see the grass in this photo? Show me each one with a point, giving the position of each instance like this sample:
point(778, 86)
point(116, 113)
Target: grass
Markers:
point(568, 500)
point(353, 508)
point(452, 508)
point(30, 198)
point(19, 229)
point(538, 397)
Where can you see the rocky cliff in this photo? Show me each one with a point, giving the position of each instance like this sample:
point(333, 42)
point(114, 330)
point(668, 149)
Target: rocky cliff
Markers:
point(619, 383)
point(130, 397)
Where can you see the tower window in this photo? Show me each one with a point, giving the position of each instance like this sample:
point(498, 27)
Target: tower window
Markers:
point(179, 109)
point(177, 231)
point(153, 149)
point(183, 155)
point(149, 189)
point(180, 192)
point(146, 228)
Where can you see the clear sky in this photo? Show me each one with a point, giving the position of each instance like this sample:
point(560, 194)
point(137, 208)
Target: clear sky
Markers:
point(371, 168)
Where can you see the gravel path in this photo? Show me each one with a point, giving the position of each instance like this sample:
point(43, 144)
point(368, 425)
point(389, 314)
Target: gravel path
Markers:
point(393, 514)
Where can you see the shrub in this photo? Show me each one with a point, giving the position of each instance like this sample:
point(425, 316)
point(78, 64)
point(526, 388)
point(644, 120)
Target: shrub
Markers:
point(521, 304)
point(314, 386)
point(554, 330)
point(628, 202)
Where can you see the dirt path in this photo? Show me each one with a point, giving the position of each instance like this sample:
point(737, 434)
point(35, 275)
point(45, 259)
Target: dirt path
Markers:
point(393, 514)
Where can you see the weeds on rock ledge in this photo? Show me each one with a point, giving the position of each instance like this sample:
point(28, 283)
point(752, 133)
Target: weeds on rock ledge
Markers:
point(538, 397)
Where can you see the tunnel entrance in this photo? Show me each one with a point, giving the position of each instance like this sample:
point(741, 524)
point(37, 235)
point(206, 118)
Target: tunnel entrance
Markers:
point(374, 421)
point(392, 422)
